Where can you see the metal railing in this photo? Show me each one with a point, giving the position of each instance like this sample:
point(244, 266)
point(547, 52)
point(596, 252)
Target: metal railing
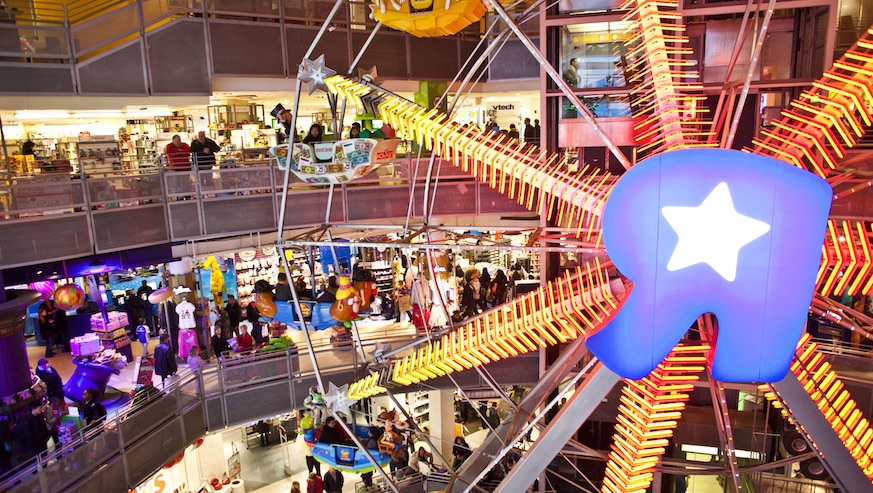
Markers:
point(95, 209)
point(137, 440)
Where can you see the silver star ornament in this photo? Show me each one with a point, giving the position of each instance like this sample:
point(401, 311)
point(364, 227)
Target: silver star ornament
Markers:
point(313, 72)
point(337, 400)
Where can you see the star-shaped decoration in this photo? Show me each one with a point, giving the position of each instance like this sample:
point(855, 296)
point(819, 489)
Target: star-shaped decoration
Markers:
point(337, 399)
point(371, 76)
point(313, 72)
point(380, 349)
point(712, 233)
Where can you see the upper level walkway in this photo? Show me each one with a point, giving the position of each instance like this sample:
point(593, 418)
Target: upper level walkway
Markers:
point(53, 216)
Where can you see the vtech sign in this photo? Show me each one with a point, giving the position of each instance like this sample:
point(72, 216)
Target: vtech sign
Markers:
point(720, 231)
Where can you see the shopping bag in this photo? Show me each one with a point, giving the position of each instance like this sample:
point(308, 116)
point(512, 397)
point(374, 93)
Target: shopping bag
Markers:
point(420, 317)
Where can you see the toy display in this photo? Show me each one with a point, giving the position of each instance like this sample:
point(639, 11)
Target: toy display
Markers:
point(85, 345)
point(216, 279)
point(348, 302)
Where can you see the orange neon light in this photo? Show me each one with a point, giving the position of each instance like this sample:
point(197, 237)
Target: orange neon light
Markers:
point(648, 413)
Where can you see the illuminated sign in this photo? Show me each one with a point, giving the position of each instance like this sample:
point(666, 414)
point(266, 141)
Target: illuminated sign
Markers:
point(720, 231)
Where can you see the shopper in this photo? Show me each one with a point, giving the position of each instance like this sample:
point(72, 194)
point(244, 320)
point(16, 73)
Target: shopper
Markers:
point(204, 150)
point(295, 487)
point(165, 360)
point(178, 155)
point(314, 484)
point(421, 461)
point(195, 363)
point(530, 133)
point(403, 304)
point(54, 384)
point(283, 289)
point(244, 342)
point(93, 413)
point(499, 287)
point(46, 320)
point(333, 481)
point(234, 314)
point(219, 343)
point(142, 334)
point(460, 450)
point(55, 413)
point(312, 465)
point(329, 433)
point(284, 118)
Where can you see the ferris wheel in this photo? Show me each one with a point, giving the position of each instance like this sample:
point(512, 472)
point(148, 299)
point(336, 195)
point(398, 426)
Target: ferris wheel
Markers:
point(737, 243)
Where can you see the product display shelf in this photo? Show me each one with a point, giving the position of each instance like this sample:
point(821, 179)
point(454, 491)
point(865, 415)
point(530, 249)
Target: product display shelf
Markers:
point(384, 273)
point(99, 154)
point(254, 265)
point(418, 406)
point(112, 335)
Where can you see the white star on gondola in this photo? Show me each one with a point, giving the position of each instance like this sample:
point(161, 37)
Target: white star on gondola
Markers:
point(313, 72)
point(337, 400)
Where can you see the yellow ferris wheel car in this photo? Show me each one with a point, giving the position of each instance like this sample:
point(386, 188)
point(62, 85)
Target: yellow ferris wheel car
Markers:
point(428, 18)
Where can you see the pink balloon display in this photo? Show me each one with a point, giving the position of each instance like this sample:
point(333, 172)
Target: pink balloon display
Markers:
point(69, 296)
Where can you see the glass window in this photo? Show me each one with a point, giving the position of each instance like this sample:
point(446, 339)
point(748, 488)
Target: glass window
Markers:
point(591, 54)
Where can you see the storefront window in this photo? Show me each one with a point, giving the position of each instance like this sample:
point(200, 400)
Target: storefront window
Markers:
point(591, 54)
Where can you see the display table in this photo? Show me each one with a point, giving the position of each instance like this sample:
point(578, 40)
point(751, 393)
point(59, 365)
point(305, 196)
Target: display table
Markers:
point(89, 375)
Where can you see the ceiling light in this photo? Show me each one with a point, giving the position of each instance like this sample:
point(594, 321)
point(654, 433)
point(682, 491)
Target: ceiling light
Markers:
point(97, 114)
point(41, 114)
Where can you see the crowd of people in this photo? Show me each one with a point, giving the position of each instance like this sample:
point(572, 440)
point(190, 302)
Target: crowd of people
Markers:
point(29, 431)
point(480, 291)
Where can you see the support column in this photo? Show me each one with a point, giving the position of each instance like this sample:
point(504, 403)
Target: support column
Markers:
point(15, 376)
point(442, 421)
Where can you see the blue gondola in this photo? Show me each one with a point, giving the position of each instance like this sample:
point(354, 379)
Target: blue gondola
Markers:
point(319, 319)
point(348, 458)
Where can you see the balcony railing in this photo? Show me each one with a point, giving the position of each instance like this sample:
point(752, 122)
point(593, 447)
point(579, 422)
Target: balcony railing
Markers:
point(88, 213)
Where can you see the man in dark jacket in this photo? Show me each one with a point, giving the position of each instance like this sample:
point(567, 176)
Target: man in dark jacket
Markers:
point(234, 314)
point(333, 481)
point(50, 376)
point(219, 343)
point(165, 360)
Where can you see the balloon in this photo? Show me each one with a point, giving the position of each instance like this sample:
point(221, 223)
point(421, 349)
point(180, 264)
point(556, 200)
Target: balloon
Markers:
point(44, 288)
point(266, 305)
point(306, 422)
point(69, 296)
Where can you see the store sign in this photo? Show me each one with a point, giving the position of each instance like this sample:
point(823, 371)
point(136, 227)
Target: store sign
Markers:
point(713, 231)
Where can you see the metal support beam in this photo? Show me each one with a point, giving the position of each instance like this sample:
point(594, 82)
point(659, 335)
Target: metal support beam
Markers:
point(844, 470)
point(495, 441)
point(574, 413)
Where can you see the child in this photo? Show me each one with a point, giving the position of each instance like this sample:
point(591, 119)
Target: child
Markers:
point(142, 334)
point(195, 364)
